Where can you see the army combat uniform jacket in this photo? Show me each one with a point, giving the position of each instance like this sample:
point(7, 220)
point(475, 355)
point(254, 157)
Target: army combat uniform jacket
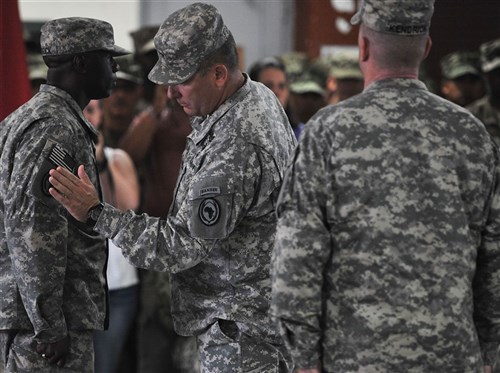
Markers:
point(388, 242)
point(486, 113)
point(219, 234)
point(51, 267)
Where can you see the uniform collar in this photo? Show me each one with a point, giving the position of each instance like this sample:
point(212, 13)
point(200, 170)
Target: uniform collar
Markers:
point(406, 83)
point(202, 126)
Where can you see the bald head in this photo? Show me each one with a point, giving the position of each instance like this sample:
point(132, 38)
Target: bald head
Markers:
point(395, 52)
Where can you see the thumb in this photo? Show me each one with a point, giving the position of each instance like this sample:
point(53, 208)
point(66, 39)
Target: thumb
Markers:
point(83, 175)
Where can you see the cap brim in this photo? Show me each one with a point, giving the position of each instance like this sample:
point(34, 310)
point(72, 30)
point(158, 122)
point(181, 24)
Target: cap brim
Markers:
point(163, 74)
point(457, 73)
point(118, 51)
point(489, 66)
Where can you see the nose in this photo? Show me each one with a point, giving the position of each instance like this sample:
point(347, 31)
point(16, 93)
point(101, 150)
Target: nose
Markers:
point(114, 65)
point(172, 91)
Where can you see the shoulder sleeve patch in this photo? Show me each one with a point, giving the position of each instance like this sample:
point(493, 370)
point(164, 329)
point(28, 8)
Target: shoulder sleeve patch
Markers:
point(53, 155)
point(211, 208)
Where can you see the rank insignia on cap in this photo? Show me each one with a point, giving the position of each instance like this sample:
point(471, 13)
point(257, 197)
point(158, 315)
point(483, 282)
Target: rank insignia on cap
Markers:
point(209, 211)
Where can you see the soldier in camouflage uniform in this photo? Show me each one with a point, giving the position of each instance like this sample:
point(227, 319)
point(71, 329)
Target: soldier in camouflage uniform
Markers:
point(462, 81)
point(53, 290)
point(487, 108)
point(387, 253)
point(345, 78)
point(218, 237)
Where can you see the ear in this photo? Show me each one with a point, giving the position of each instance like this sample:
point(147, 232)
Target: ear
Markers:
point(80, 63)
point(221, 74)
point(364, 49)
point(428, 46)
point(331, 84)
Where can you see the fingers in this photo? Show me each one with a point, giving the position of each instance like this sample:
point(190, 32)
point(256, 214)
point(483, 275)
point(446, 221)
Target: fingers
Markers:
point(83, 175)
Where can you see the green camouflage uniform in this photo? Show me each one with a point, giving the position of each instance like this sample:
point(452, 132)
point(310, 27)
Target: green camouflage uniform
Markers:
point(482, 108)
point(219, 233)
point(387, 253)
point(52, 268)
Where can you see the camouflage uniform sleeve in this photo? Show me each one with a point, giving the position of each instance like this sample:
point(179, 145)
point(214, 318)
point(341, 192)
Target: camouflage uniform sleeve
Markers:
point(225, 186)
point(36, 232)
point(301, 251)
point(486, 285)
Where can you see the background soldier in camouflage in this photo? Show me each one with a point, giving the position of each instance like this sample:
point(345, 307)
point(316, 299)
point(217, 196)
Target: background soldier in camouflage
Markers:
point(219, 234)
point(52, 283)
point(345, 78)
point(388, 251)
point(487, 108)
point(462, 81)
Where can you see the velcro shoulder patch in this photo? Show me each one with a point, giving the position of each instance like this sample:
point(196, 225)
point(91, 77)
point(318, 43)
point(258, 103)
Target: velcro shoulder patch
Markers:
point(53, 155)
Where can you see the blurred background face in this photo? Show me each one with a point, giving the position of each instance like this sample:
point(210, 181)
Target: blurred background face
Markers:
point(275, 80)
point(93, 113)
point(123, 100)
point(464, 90)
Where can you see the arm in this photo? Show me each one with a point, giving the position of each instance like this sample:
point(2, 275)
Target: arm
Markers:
point(182, 240)
point(36, 232)
point(139, 136)
point(126, 184)
point(302, 250)
point(486, 285)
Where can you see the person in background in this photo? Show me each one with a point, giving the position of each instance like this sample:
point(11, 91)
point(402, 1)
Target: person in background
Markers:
point(271, 72)
point(53, 285)
point(345, 78)
point(487, 108)
point(223, 208)
point(387, 255)
point(462, 81)
point(155, 141)
point(120, 187)
point(307, 96)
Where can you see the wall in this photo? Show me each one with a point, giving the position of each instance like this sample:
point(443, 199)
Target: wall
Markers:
point(123, 15)
point(261, 28)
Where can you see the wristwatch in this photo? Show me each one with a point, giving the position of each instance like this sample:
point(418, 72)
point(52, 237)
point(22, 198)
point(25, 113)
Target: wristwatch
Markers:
point(93, 214)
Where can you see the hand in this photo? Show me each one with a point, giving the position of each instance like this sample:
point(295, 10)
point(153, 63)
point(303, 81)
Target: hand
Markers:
point(76, 194)
point(308, 370)
point(54, 352)
point(488, 369)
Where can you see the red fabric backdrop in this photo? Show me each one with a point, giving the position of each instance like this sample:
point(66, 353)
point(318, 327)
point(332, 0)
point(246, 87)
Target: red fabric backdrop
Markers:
point(14, 82)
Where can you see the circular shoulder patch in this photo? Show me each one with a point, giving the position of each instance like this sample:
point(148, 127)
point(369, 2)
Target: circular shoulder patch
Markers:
point(209, 211)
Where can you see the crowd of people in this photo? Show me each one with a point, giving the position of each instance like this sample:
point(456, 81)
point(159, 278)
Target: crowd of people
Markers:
point(164, 211)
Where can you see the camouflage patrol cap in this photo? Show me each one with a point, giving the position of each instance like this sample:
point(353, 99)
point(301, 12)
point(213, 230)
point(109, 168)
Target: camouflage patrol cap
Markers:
point(457, 64)
point(184, 40)
point(490, 55)
point(143, 38)
point(345, 65)
point(67, 36)
point(129, 70)
point(400, 17)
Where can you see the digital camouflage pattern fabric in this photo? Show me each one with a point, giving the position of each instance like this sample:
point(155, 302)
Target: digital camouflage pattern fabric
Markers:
point(489, 115)
point(219, 234)
point(23, 354)
point(187, 37)
point(387, 251)
point(400, 17)
point(51, 267)
point(67, 36)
